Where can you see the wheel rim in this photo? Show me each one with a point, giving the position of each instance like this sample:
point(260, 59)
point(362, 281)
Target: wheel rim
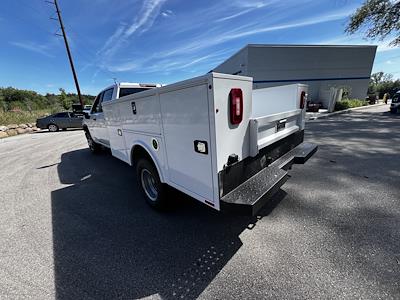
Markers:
point(52, 127)
point(149, 184)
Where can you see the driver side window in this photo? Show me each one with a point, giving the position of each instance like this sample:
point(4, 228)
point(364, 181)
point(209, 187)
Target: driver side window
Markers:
point(96, 108)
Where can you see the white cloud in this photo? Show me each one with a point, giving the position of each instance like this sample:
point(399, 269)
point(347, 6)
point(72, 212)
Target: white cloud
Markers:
point(146, 17)
point(234, 15)
point(167, 13)
point(112, 40)
point(165, 65)
point(244, 7)
point(205, 41)
point(143, 22)
point(383, 46)
point(128, 66)
point(33, 47)
point(194, 49)
point(250, 4)
point(313, 21)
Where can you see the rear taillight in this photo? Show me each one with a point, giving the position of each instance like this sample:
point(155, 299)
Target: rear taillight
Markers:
point(303, 99)
point(236, 103)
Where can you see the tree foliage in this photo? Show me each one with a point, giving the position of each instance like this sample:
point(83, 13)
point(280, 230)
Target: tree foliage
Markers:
point(379, 19)
point(382, 83)
point(66, 101)
point(25, 100)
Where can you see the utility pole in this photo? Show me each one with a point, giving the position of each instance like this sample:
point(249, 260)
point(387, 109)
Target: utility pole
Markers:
point(68, 51)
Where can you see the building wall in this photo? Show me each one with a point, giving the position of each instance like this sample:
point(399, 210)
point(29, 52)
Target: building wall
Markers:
point(321, 67)
point(236, 64)
point(358, 88)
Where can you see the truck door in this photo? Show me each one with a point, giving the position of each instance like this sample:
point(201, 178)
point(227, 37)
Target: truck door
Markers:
point(185, 117)
point(101, 121)
point(96, 114)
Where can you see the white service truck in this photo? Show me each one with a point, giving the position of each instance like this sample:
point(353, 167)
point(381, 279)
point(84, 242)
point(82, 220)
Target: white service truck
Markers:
point(212, 137)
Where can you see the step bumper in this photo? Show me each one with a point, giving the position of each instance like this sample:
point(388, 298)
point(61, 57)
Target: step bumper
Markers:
point(249, 197)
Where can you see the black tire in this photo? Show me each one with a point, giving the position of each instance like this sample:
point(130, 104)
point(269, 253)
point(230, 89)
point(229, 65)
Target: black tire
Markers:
point(153, 190)
point(93, 146)
point(52, 127)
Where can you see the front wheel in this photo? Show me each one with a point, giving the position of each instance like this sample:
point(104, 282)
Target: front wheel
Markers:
point(150, 185)
point(93, 146)
point(52, 128)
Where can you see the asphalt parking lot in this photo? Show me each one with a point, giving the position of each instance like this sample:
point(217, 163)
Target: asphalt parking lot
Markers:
point(73, 225)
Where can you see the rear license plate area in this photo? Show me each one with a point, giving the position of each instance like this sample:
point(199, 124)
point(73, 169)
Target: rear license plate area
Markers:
point(281, 125)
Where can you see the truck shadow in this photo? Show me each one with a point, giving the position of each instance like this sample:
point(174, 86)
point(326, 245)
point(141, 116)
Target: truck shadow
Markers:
point(109, 244)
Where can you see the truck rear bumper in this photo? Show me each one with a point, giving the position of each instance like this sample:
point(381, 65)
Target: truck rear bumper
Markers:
point(250, 196)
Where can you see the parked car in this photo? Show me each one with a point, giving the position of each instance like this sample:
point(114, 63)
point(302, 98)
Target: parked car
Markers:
point(86, 109)
point(395, 105)
point(62, 120)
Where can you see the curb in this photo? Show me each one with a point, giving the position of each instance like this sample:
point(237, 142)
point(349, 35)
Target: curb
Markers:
point(3, 139)
point(344, 111)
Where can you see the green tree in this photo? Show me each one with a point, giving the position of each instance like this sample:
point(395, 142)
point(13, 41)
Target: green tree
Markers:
point(25, 100)
point(379, 19)
point(66, 101)
point(382, 83)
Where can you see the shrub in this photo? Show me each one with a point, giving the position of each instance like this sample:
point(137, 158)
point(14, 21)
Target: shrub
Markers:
point(21, 117)
point(349, 103)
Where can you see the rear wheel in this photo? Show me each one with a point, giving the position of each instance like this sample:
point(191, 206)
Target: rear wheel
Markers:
point(93, 146)
point(52, 127)
point(150, 184)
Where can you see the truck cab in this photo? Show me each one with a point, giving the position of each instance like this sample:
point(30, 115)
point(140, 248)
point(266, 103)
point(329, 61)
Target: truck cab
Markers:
point(96, 120)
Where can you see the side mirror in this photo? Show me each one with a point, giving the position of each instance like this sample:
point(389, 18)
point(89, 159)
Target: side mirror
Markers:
point(87, 116)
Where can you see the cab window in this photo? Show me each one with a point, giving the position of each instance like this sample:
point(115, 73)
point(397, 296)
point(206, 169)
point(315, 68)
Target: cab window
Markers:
point(108, 95)
point(96, 108)
point(129, 91)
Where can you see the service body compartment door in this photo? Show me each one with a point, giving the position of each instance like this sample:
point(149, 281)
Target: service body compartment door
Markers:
point(186, 123)
point(114, 131)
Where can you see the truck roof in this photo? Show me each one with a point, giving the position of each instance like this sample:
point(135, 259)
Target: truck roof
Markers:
point(133, 85)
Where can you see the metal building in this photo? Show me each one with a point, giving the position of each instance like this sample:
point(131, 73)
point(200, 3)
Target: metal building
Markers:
point(322, 67)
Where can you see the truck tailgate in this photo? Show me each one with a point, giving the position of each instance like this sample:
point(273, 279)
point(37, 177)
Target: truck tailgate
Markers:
point(276, 115)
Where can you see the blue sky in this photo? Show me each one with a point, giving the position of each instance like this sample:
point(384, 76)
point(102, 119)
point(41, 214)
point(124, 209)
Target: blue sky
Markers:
point(159, 40)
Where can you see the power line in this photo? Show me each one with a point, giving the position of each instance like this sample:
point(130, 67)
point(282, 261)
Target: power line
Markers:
point(71, 62)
